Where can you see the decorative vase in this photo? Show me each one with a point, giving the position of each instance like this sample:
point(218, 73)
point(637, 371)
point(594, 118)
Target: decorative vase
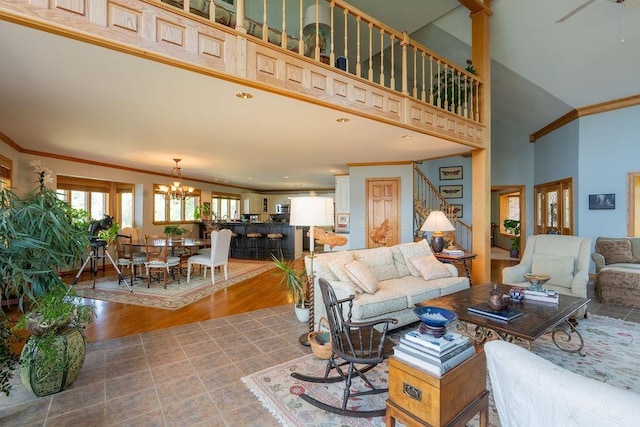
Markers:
point(302, 313)
point(495, 302)
point(47, 375)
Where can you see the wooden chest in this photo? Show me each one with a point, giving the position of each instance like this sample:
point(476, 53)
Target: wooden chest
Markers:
point(437, 401)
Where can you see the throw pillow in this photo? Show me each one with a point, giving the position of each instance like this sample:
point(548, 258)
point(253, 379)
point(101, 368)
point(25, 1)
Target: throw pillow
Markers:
point(362, 276)
point(616, 251)
point(559, 268)
point(429, 267)
point(337, 265)
point(414, 250)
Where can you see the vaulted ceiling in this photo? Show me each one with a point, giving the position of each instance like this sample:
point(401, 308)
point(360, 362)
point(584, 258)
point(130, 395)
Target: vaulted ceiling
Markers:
point(63, 96)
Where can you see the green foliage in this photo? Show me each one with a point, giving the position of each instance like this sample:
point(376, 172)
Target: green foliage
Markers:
point(40, 234)
point(110, 234)
point(202, 211)
point(513, 226)
point(450, 90)
point(293, 280)
point(50, 314)
point(174, 230)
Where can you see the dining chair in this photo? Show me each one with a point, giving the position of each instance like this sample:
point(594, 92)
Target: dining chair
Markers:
point(127, 258)
point(219, 255)
point(158, 258)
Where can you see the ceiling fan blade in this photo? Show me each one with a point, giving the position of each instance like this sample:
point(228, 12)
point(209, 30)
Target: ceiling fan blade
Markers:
point(574, 11)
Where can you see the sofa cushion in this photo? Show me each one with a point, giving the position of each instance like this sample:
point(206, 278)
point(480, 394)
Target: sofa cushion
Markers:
point(429, 267)
point(413, 250)
point(416, 289)
point(380, 262)
point(336, 265)
point(343, 289)
point(362, 276)
point(560, 268)
point(386, 300)
point(616, 251)
point(401, 266)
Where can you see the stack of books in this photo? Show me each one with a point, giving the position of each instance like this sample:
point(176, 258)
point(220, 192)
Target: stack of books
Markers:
point(453, 252)
point(434, 355)
point(544, 296)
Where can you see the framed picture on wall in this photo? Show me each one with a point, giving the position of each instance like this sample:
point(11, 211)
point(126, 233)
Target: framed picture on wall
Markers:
point(457, 210)
point(450, 172)
point(602, 201)
point(451, 191)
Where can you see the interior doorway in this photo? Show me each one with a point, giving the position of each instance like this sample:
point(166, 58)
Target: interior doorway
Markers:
point(633, 210)
point(507, 202)
point(383, 212)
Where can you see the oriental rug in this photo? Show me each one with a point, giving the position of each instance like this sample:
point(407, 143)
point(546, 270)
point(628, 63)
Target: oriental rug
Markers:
point(177, 295)
point(611, 356)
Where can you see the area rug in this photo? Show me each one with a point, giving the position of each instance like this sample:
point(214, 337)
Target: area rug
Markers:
point(611, 348)
point(177, 295)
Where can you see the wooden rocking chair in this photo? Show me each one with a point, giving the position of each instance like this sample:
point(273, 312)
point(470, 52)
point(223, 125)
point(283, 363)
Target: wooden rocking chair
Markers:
point(358, 347)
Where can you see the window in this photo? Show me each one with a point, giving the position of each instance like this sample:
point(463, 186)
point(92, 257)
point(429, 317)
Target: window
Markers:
point(509, 209)
point(6, 165)
point(554, 207)
point(173, 210)
point(99, 198)
point(225, 206)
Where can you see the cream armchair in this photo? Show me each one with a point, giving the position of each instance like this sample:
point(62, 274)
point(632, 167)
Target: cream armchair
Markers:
point(565, 258)
point(531, 391)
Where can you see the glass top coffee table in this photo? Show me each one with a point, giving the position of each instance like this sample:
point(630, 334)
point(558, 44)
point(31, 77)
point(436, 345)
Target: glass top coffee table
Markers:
point(538, 318)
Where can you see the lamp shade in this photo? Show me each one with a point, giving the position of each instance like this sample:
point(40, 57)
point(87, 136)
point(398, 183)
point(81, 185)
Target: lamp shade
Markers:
point(311, 210)
point(437, 221)
point(323, 16)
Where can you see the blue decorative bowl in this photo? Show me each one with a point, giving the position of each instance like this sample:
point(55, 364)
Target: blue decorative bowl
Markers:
point(435, 317)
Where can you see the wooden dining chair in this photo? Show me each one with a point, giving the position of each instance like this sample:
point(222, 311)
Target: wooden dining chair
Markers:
point(127, 258)
point(159, 258)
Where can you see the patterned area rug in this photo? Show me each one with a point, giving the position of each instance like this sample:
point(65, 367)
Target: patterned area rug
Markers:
point(177, 295)
point(611, 356)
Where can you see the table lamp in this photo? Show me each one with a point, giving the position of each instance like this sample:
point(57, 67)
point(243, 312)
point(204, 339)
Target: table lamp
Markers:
point(311, 211)
point(316, 27)
point(437, 222)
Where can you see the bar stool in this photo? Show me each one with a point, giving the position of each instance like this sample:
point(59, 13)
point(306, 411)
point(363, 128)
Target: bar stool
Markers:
point(274, 242)
point(253, 240)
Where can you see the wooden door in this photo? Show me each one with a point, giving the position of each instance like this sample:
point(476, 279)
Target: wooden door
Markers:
point(553, 206)
point(383, 212)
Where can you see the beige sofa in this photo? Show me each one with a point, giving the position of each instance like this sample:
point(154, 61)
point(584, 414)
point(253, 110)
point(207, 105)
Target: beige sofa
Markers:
point(400, 284)
point(617, 261)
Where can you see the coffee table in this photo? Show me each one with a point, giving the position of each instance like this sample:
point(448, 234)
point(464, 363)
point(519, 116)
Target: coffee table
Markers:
point(538, 318)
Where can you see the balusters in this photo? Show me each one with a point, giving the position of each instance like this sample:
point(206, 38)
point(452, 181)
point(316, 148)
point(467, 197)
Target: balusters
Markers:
point(283, 39)
point(265, 27)
point(358, 60)
point(423, 95)
point(332, 54)
point(370, 51)
point(300, 33)
point(381, 56)
point(346, 37)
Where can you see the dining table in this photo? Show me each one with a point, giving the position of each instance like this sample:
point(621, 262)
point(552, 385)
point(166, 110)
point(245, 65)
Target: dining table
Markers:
point(191, 246)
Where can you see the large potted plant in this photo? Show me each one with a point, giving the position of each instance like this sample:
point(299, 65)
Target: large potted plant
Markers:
point(513, 227)
point(450, 90)
point(41, 235)
point(295, 283)
point(54, 354)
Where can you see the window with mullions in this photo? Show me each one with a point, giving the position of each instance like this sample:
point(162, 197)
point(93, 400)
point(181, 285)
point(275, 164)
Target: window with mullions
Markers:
point(6, 165)
point(99, 198)
point(225, 206)
point(174, 210)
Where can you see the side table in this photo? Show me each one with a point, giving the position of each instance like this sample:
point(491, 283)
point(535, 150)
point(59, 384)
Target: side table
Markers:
point(452, 259)
point(419, 399)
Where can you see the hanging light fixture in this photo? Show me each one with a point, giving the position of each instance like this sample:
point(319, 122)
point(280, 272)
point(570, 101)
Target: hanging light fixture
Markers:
point(176, 190)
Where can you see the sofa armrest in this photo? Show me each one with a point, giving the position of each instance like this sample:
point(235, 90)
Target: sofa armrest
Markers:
point(514, 274)
point(598, 260)
point(452, 269)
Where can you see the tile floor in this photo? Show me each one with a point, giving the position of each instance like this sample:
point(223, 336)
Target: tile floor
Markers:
point(184, 375)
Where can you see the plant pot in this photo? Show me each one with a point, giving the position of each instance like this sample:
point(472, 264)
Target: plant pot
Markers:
point(302, 313)
point(44, 377)
point(514, 253)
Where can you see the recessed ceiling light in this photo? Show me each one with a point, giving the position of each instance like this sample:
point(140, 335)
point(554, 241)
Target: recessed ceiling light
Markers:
point(342, 120)
point(249, 178)
point(285, 177)
point(244, 95)
point(406, 136)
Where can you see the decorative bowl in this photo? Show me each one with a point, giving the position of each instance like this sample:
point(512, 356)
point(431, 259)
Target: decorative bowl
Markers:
point(516, 294)
point(435, 317)
point(537, 281)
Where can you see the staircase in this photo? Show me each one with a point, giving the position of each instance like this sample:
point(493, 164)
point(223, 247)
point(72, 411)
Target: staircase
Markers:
point(427, 198)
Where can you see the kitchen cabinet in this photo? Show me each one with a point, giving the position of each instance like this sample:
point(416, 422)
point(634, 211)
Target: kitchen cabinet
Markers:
point(252, 203)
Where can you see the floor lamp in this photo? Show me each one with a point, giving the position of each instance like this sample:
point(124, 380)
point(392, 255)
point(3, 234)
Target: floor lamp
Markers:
point(311, 211)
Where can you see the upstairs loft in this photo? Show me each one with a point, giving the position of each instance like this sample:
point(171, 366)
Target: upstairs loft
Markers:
point(365, 68)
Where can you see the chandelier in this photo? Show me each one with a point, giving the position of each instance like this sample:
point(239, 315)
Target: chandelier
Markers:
point(176, 190)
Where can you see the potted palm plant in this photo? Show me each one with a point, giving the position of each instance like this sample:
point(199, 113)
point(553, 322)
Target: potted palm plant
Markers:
point(41, 236)
point(513, 227)
point(296, 283)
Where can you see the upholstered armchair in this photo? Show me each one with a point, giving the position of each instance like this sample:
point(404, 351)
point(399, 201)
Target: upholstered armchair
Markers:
point(565, 258)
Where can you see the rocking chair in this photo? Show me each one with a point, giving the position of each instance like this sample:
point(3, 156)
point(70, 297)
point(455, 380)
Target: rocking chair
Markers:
point(358, 347)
